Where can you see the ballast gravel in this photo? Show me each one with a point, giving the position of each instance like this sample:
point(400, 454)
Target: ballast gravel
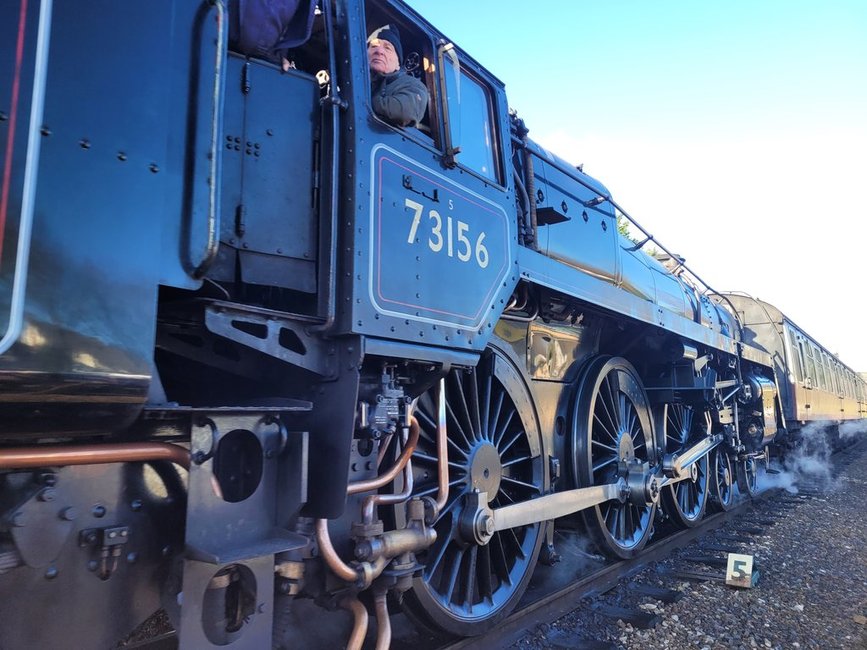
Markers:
point(811, 592)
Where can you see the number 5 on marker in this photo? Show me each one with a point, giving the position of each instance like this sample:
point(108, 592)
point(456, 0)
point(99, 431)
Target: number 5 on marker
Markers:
point(739, 572)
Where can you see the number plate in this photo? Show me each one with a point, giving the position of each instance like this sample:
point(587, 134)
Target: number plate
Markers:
point(440, 252)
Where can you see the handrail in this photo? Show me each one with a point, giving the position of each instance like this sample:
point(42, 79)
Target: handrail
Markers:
point(212, 246)
point(328, 293)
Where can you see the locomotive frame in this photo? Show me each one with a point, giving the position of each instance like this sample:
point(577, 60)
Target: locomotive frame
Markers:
point(264, 349)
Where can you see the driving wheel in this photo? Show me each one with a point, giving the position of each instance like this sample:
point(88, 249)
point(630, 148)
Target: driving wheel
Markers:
point(611, 433)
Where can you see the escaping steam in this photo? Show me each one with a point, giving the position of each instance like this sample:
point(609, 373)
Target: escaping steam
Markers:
point(852, 429)
point(809, 464)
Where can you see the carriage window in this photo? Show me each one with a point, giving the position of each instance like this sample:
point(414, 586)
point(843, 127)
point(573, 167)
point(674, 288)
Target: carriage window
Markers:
point(796, 355)
point(470, 133)
point(817, 362)
point(832, 376)
point(809, 367)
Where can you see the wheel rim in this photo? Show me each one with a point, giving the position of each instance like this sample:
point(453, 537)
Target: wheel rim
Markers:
point(685, 501)
point(612, 423)
point(723, 475)
point(494, 446)
point(748, 476)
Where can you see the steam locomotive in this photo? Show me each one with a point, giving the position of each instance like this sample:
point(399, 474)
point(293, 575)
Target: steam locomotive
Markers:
point(264, 352)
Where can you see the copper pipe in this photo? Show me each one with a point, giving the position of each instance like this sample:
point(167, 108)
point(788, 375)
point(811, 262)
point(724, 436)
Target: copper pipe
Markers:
point(332, 559)
point(383, 623)
point(389, 476)
point(382, 449)
point(367, 509)
point(359, 627)
point(442, 449)
point(120, 452)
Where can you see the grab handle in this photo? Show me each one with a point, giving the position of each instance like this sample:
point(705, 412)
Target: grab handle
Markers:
point(213, 223)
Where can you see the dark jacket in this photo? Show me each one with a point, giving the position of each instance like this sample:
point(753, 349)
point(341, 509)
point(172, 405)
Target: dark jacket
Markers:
point(267, 28)
point(399, 98)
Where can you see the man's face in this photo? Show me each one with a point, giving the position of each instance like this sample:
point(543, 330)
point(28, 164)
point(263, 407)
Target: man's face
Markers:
point(382, 57)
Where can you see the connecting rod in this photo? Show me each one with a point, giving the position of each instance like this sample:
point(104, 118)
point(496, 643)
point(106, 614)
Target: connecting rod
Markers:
point(679, 467)
point(557, 505)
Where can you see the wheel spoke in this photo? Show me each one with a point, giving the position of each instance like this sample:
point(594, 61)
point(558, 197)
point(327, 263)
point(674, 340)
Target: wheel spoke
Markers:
point(457, 425)
point(486, 408)
point(519, 550)
point(596, 443)
point(514, 461)
point(470, 576)
point(500, 556)
point(611, 434)
point(505, 493)
point(433, 460)
point(522, 484)
point(486, 588)
point(515, 439)
point(502, 431)
point(475, 410)
point(495, 417)
point(458, 448)
point(431, 490)
point(608, 404)
point(464, 408)
point(610, 461)
point(441, 549)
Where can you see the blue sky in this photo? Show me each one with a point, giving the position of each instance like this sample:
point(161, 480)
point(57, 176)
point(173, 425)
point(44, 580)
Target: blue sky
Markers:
point(736, 132)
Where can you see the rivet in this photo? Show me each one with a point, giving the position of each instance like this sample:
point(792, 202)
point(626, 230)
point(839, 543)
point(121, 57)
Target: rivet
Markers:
point(51, 573)
point(154, 168)
point(121, 156)
point(45, 131)
point(98, 511)
point(135, 505)
point(84, 144)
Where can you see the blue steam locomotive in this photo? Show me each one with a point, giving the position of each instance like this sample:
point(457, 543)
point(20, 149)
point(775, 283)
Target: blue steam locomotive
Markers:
point(264, 351)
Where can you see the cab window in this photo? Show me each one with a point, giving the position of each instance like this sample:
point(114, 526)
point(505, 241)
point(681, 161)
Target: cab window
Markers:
point(470, 123)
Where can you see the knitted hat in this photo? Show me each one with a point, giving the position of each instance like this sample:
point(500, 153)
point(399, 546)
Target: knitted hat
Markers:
point(388, 33)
